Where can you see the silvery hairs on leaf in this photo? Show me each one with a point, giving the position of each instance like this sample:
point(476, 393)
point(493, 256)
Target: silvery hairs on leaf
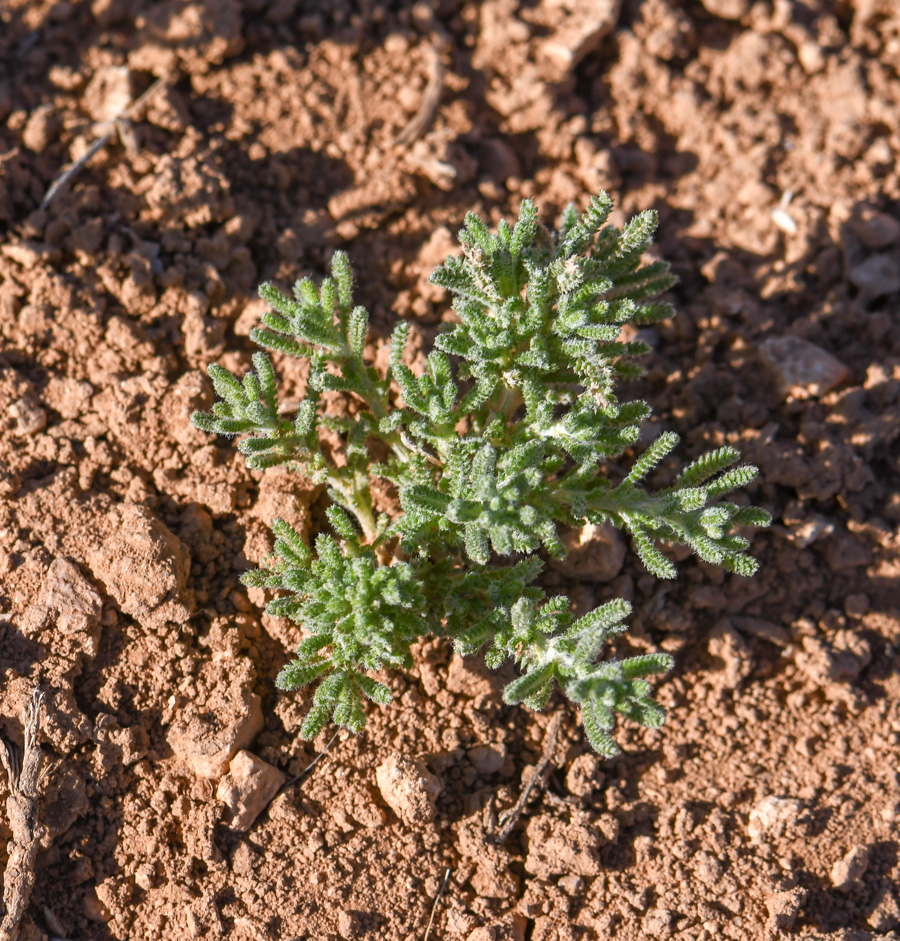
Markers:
point(508, 432)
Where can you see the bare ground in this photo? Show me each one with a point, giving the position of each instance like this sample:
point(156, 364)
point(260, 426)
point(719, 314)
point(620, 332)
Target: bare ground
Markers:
point(767, 136)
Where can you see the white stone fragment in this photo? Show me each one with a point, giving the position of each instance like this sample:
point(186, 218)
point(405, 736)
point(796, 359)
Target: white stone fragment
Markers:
point(772, 816)
point(784, 221)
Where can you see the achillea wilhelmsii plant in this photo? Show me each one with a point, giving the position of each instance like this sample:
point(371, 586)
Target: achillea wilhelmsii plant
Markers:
point(508, 433)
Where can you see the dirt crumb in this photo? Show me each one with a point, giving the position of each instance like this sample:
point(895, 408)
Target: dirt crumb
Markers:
point(247, 788)
point(849, 869)
point(409, 789)
point(772, 816)
point(207, 740)
point(145, 568)
point(592, 552)
point(557, 849)
point(511, 927)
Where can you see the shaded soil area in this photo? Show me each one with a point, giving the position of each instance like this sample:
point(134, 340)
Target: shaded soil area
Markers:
point(767, 135)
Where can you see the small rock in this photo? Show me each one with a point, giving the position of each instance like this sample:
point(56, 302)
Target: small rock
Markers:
point(875, 276)
point(594, 552)
point(847, 872)
point(69, 397)
point(885, 914)
point(41, 129)
point(727, 646)
point(511, 927)
point(493, 881)
point(206, 742)
point(108, 93)
point(584, 776)
point(572, 885)
point(145, 568)
point(873, 228)
point(838, 662)
point(810, 56)
point(487, 759)
point(802, 367)
point(247, 788)
point(349, 924)
point(783, 220)
point(772, 816)
point(558, 849)
point(582, 26)
point(70, 598)
point(709, 868)
point(28, 417)
point(811, 530)
point(727, 9)
point(145, 876)
point(609, 827)
point(784, 907)
point(409, 789)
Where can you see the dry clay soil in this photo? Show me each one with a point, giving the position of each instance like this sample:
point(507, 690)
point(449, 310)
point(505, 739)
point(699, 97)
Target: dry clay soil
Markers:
point(767, 135)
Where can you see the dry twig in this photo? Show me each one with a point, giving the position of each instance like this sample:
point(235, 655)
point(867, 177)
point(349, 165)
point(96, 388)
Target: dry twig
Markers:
point(509, 820)
point(308, 770)
point(23, 809)
point(297, 779)
point(437, 901)
point(419, 122)
point(106, 129)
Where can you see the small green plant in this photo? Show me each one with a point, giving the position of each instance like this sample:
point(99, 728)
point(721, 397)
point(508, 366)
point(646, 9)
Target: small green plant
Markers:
point(507, 434)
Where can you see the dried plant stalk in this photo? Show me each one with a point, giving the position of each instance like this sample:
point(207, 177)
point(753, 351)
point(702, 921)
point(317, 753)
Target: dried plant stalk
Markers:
point(23, 811)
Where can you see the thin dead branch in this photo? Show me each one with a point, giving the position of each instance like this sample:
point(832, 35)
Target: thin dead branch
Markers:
point(308, 770)
point(297, 779)
point(419, 122)
point(105, 130)
point(509, 820)
point(23, 809)
point(437, 901)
